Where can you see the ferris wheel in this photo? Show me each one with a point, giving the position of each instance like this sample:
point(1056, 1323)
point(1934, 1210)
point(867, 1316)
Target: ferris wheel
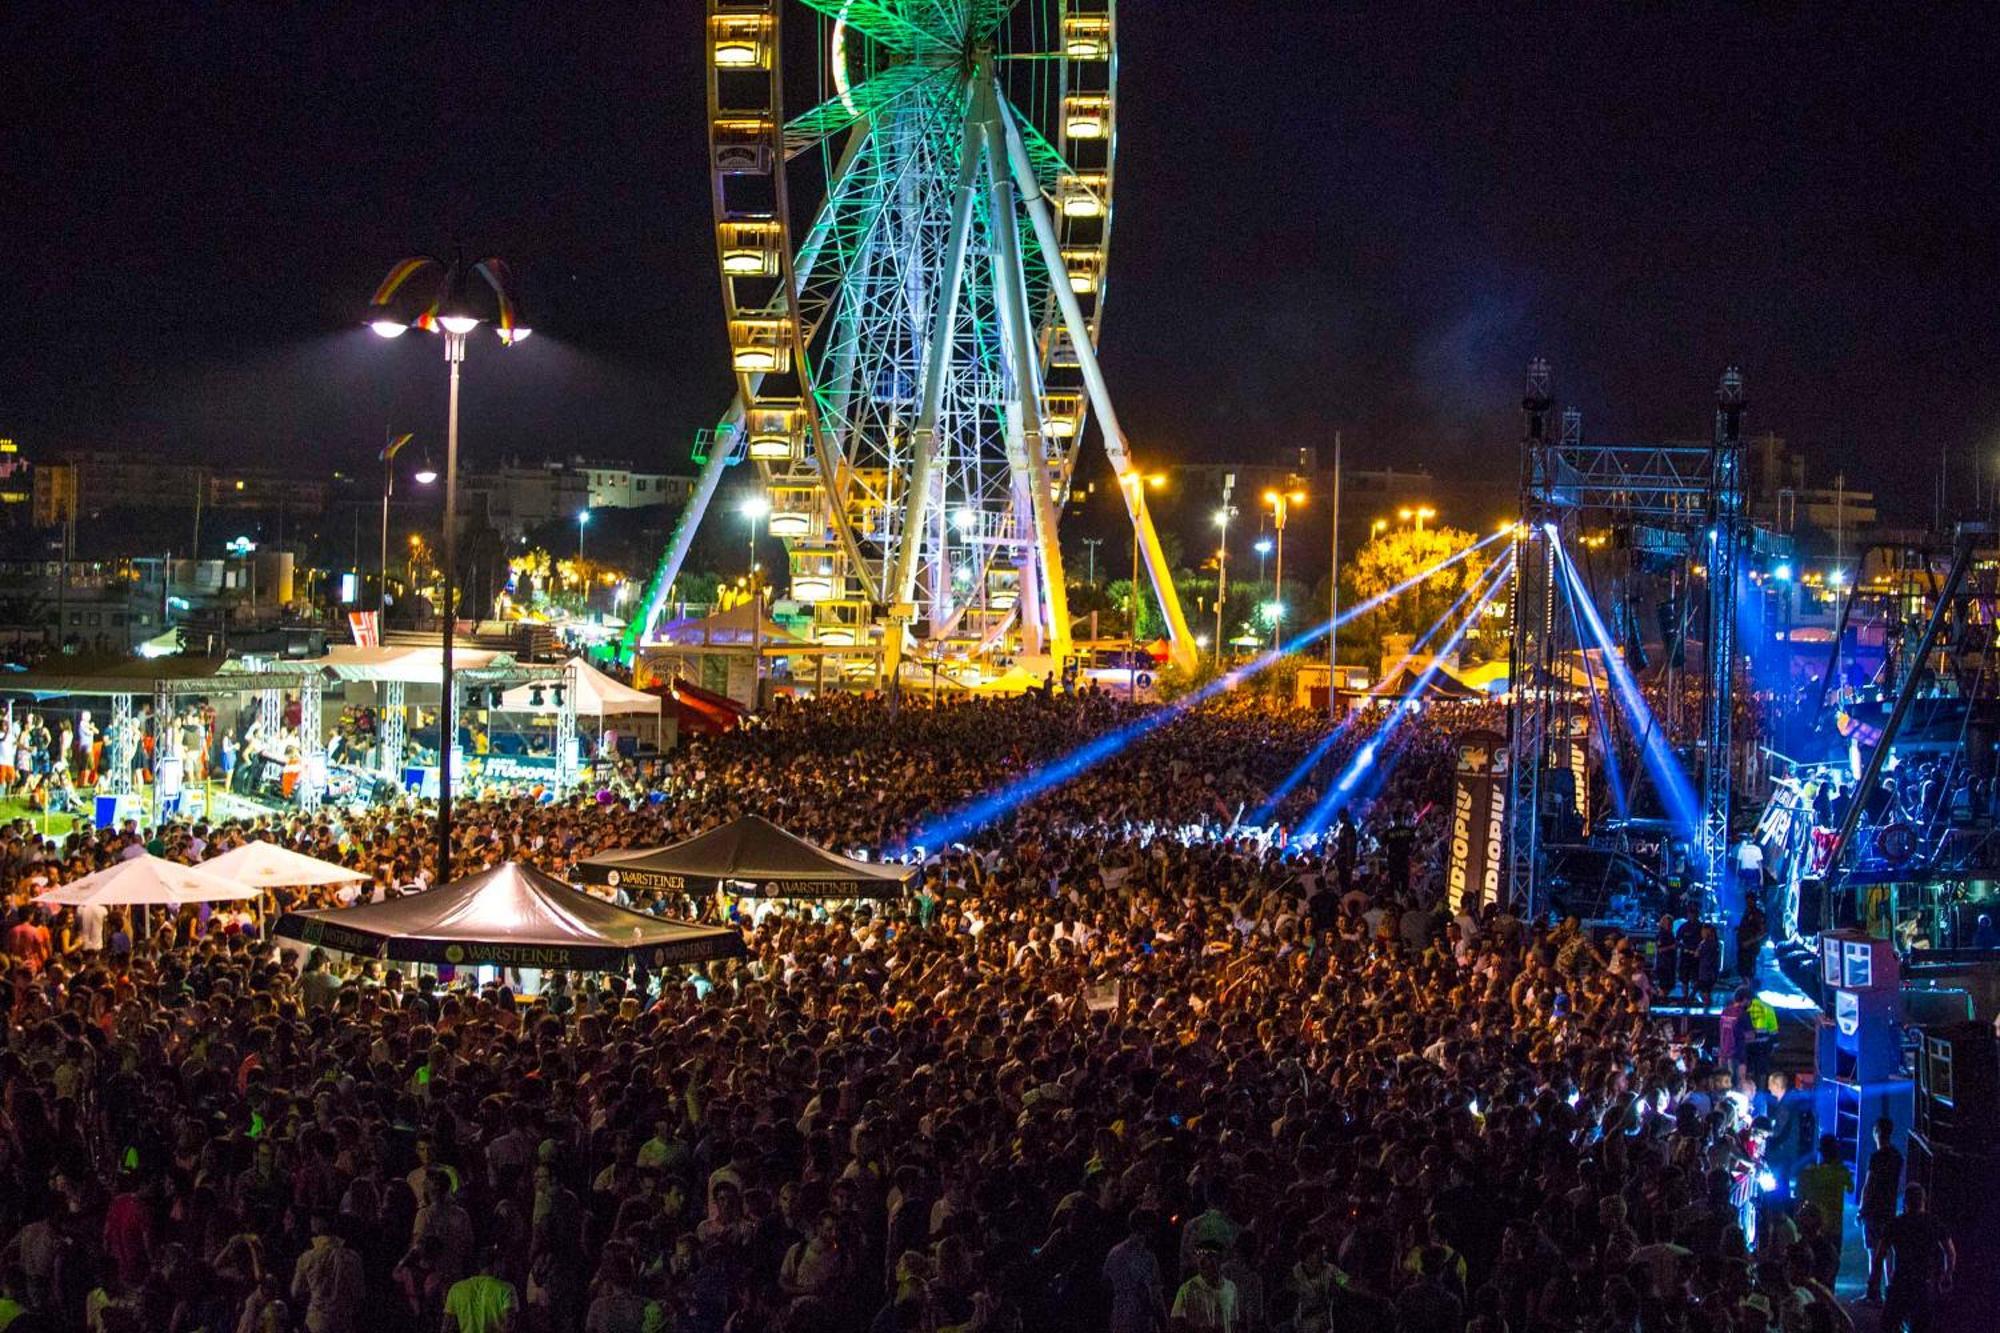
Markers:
point(913, 273)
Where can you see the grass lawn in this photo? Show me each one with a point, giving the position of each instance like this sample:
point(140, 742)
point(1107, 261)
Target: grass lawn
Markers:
point(55, 825)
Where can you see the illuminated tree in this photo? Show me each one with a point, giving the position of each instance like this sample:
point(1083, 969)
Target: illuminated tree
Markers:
point(1394, 558)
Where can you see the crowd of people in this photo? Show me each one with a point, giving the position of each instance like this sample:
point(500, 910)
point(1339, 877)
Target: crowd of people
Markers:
point(1117, 1062)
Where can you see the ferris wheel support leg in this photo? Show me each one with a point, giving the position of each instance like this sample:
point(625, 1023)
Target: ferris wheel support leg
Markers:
point(1029, 464)
point(1180, 641)
point(1028, 601)
point(923, 439)
point(669, 568)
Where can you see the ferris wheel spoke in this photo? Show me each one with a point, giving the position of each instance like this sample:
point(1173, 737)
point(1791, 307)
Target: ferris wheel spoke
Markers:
point(879, 22)
point(866, 100)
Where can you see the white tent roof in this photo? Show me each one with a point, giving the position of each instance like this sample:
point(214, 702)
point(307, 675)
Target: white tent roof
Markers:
point(597, 695)
point(413, 665)
point(146, 881)
point(267, 865)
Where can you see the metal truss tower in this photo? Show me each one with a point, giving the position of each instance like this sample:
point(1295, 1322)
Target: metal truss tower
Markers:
point(1689, 501)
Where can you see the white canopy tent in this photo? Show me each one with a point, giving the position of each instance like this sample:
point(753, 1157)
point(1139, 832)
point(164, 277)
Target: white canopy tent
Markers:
point(147, 881)
point(408, 665)
point(265, 865)
point(597, 696)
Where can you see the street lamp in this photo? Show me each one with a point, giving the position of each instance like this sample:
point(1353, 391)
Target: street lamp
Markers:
point(1138, 481)
point(1262, 546)
point(1424, 512)
point(1281, 503)
point(582, 522)
point(446, 308)
point(391, 446)
point(1377, 528)
point(754, 510)
point(1222, 517)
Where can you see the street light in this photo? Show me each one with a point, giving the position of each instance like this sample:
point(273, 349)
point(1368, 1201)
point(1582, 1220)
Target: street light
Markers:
point(1138, 481)
point(390, 447)
point(755, 509)
point(1222, 517)
point(582, 522)
point(1281, 503)
point(446, 308)
point(1377, 528)
point(1424, 512)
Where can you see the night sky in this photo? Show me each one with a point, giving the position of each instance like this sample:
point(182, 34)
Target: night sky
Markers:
point(1328, 216)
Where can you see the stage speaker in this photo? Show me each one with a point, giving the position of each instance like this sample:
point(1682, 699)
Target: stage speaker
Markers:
point(1963, 1189)
point(1958, 1087)
point(1812, 899)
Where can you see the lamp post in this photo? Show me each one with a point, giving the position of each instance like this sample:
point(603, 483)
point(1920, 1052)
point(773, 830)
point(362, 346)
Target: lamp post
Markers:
point(446, 309)
point(1333, 595)
point(391, 445)
point(1136, 480)
point(1090, 545)
point(582, 522)
point(1222, 517)
point(755, 509)
point(1281, 503)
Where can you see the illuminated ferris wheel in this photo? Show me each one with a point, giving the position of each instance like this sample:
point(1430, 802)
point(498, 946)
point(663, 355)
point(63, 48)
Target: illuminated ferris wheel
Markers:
point(913, 271)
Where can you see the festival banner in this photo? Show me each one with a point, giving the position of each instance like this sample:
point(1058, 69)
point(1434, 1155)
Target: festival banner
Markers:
point(1578, 733)
point(1478, 818)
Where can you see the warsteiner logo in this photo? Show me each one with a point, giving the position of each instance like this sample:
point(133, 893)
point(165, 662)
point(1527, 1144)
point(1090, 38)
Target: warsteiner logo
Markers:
point(454, 953)
point(612, 878)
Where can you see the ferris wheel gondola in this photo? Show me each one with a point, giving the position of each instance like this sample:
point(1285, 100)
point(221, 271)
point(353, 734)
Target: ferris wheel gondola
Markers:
point(913, 276)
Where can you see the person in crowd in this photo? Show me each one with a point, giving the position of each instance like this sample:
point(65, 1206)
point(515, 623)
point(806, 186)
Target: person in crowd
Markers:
point(1921, 1258)
point(1105, 1067)
point(1881, 1186)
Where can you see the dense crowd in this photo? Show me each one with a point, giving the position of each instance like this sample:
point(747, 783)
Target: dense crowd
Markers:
point(1119, 1062)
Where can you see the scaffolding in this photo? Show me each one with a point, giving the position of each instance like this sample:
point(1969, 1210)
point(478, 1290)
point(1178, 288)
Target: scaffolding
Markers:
point(1683, 501)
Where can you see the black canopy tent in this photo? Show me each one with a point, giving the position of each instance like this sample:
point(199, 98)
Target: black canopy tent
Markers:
point(755, 855)
point(511, 916)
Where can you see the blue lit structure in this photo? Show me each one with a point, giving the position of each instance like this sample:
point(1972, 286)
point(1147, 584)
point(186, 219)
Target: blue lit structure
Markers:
point(1673, 504)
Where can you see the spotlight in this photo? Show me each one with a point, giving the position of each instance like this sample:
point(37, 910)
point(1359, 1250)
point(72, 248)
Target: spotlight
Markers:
point(559, 696)
point(537, 697)
point(1782, 573)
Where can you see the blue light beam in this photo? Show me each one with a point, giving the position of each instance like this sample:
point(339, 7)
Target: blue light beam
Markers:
point(1364, 759)
point(1346, 724)
point(953, 827)
point(1614, 775)
point(1675, 790)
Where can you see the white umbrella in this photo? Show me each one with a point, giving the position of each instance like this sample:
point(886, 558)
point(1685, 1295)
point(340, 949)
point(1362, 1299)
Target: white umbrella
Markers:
point(146, 881)
point(266, 865)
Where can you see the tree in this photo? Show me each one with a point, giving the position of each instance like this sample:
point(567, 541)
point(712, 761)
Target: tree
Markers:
point(1393, 559)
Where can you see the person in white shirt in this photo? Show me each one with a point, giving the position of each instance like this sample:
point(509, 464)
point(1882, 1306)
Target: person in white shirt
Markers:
point(90, 926)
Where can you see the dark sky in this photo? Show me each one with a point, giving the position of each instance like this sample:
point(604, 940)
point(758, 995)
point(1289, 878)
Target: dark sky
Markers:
point(1328, 215)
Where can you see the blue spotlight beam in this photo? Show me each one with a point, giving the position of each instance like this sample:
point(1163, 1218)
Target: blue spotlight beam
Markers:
point(1675, 789)
point(1346, 724)
point(953, 827)
point(1614, 776)
point(1364, 758)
